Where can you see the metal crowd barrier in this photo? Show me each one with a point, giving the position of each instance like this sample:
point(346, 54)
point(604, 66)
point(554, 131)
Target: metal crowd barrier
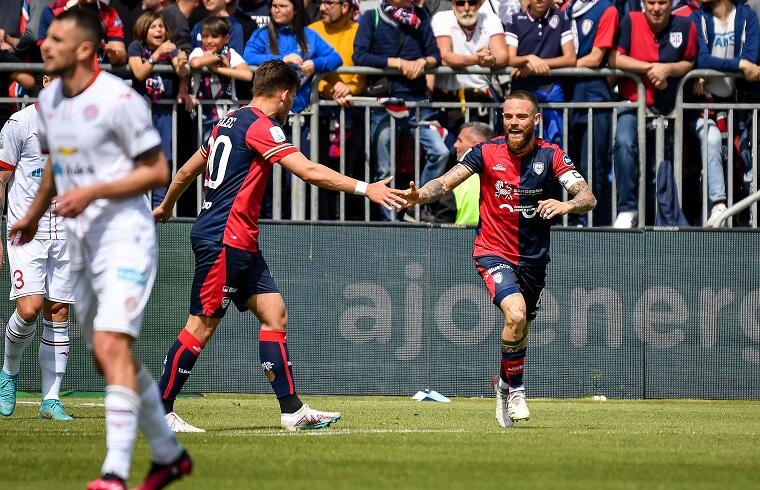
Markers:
point(299, 196)
point(681, 119)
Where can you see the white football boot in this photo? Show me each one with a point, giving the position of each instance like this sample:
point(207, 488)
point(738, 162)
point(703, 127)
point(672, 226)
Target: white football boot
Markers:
point(306, 418)
point(517, 407)
point(502, 407)
point(176, 424)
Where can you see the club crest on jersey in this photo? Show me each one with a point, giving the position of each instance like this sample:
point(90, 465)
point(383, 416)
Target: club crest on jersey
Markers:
point(586, 26)
point(278, 135)
point(498, 277)
point(538, 168)
point(676, 38)
point(90, 112)
point(554, 21)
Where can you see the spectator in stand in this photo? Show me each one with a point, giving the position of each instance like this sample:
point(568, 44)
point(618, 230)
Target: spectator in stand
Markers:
point(595, 24)
point(338, 29)
point(728, 42)
point(129, 11)
point(225, 65)
point(662, 48)
point(311, 9)
point(287, 38)
point(218, 8)
point(114, 51)
point(152, 47)
point(398, 35)
point(176, 16)
point(503, 9)
point(18, 46)
point(256, 10)
point(467, 37)
point(686, 8)
point(540, 38)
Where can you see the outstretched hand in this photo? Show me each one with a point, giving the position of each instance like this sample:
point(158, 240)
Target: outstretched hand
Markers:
point(412, 195)
point(379, 193)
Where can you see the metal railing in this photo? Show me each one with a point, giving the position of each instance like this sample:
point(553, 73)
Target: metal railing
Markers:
point(301, 194)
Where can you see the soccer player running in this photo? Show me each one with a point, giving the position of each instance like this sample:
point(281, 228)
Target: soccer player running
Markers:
point(511, 250)
point(229, 266)
point(39, 270)
point(104, 155)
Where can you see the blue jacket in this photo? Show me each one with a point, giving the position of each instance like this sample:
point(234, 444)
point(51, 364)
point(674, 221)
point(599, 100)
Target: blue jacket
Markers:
point(325, 58)
point(378, 38)
point(746, 39)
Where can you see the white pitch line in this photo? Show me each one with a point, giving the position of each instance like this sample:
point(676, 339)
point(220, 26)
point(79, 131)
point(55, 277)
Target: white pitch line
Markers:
point(68, 404)
point(334, 432)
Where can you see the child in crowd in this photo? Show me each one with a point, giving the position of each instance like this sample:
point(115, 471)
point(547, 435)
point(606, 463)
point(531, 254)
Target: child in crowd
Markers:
point(152, 47)
point(224, 63)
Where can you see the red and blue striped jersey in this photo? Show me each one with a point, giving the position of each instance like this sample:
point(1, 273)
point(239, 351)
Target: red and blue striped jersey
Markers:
point(240, 153)
point(510, 188)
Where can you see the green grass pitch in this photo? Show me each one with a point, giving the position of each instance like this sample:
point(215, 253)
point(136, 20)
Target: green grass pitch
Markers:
point(396, 443)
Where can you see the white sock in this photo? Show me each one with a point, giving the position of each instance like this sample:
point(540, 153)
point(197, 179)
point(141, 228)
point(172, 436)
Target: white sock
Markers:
point(54, 353)
point(122, 410)
point(18, 335)
point(163, 443)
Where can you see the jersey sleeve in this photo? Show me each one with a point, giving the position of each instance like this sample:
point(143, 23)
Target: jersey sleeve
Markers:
point(605, 33)
point(132, 124)
point(269, 140)
point(568, 36)
point(114, 28)
point(564, 170)
point(473, 159)
point(12, 138)
point(511, 32)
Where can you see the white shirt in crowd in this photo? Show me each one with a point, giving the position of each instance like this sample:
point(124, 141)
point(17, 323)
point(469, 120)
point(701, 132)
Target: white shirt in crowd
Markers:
point(20, 153)
point(93, 138)
point(445, 24)
point(723, 47)
point(216, 85)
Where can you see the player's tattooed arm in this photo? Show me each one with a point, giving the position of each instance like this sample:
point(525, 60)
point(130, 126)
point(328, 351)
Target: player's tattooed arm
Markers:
point(439, 187)
point(583, 199)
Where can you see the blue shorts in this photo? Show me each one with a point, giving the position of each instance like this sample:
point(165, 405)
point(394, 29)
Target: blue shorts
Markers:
point(224, 274)
point(503, 278)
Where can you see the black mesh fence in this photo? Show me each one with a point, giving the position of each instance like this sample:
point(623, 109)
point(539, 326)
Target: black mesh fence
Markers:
point(390, 310)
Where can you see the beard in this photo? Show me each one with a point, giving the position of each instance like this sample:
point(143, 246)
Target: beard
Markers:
point(467, 19)
point(519, 145)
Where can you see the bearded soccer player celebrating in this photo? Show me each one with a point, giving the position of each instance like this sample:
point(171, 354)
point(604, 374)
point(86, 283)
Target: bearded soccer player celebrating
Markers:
point(511, 250)
point(229, 266)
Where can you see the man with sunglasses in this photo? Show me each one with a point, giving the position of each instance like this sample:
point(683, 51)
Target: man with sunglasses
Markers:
point(468, 37)
point(517, 174)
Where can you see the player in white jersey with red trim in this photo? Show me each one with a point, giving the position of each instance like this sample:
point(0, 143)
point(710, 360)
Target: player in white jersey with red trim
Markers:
point(105, 155)
point(40, 279)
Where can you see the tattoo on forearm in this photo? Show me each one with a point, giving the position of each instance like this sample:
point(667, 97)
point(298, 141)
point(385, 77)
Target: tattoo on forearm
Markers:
point(583, 199)
point(437, 188)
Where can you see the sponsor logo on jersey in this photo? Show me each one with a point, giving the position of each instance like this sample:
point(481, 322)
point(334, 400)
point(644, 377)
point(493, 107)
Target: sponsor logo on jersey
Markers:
point(278, 135)
point(503, 189)
point(67, 152)
point(538, 168)
point(131, 275)
point(528, 211)
point(57, 169)
point(37, 173)
point(676, 38)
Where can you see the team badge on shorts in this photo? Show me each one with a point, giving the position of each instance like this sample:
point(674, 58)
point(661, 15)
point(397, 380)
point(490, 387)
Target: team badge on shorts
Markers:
point(676, 38)
point(498, 277)
point(538, 168)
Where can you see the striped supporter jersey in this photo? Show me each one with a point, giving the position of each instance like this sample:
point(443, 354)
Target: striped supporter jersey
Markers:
point(510, 188)
point(240, 153)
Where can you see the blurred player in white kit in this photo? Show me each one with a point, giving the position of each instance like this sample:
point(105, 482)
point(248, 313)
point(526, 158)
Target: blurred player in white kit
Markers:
point(104, 154)
point(40, 279)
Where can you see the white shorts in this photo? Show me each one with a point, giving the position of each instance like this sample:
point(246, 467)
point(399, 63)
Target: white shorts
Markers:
point(41, 267)
point(113, 279)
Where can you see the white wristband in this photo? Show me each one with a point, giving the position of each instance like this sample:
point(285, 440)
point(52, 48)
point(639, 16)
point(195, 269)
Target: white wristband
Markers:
point(361, 188)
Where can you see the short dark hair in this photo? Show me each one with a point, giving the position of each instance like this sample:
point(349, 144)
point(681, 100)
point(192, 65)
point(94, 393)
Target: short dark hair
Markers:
point(215, 26)
point(274, 75)
point(87, 21)
point(481, 129)
point(524, 95)
point(143, 23)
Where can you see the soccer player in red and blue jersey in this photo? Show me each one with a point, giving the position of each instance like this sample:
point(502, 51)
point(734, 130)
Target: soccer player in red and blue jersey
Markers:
point(517, 174)
point(229, 266)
